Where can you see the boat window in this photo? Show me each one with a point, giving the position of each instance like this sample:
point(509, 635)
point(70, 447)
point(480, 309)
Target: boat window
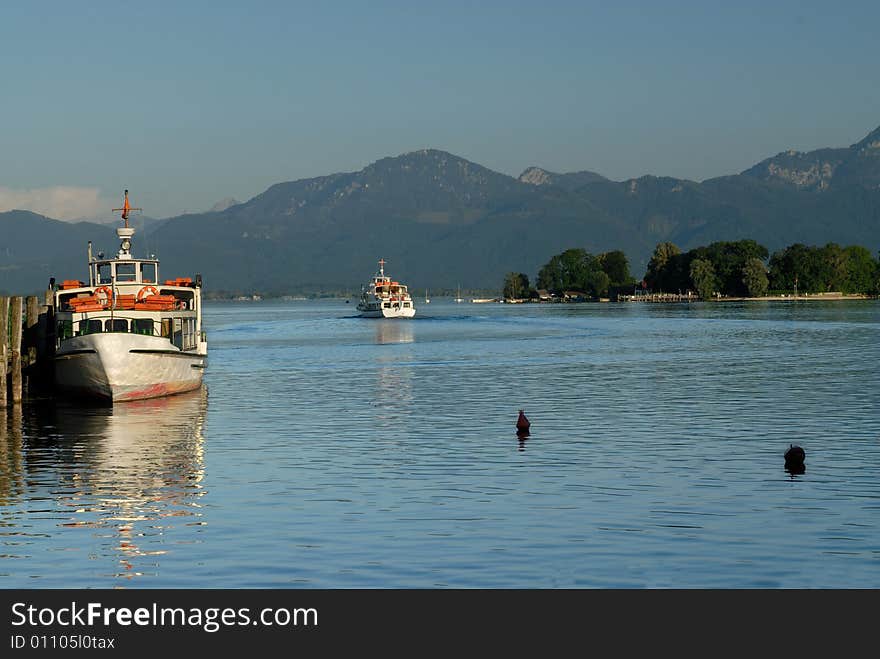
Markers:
point(65, 329)
point(177, 336)
point(89, 327)
point(148, 273)
point(387, 305)
point(103, 273)
point(142, 326)
point(166, 328)
point(189, 334)
point(116, 325)
point(406, 304)
point(125, 272)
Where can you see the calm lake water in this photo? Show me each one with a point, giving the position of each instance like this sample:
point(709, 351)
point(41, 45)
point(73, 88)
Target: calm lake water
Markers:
point(331, 451)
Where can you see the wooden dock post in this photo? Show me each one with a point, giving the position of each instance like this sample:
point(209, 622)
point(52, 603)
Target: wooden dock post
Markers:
point(4, 342)
point(46, 337)
point(32, 320)
point(15, 346)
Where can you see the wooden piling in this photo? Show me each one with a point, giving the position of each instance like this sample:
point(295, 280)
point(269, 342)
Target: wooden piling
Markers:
point(32, 320)
point(46, 335)
point(4, 342)
point(15, 347)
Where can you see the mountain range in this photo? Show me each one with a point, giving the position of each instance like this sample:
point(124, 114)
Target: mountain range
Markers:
point(441, 221)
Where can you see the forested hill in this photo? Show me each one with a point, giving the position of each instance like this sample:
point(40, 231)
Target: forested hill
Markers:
point(441, 221)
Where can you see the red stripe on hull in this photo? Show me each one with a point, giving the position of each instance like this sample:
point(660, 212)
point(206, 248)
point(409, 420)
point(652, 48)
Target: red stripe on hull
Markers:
point(157, 390)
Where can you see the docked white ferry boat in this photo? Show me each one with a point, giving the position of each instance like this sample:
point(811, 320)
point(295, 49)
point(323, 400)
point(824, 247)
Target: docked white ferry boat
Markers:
point(384, 298)
point(125, 334)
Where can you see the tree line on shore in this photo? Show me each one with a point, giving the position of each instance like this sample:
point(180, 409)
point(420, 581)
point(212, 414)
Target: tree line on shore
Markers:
point(727, 268)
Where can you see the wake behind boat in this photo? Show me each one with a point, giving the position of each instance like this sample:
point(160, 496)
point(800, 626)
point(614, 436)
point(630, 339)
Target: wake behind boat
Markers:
point(384, 298)
point(125, 336)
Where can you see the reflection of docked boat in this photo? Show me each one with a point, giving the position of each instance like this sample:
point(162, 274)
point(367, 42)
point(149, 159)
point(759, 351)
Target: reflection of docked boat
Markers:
point(133, 471)
point(131, 450)
point(149, 444)
point(125, 336)
point(384, 298)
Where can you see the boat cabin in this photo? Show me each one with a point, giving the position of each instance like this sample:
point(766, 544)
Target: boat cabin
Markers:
point(389, 288)
point(124, 283)
point(132, 271)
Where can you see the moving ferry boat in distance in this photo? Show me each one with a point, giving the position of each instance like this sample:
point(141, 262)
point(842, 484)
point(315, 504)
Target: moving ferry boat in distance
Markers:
point(124, 335)
point(384, 298)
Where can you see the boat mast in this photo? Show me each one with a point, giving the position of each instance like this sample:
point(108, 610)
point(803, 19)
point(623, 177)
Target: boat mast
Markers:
point(125, 233)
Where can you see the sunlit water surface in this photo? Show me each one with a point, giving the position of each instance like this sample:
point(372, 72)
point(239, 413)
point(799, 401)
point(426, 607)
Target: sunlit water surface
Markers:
point(331, 451)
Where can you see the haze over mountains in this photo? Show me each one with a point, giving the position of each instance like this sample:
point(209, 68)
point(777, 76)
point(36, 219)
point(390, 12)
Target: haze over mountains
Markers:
point(441, 221)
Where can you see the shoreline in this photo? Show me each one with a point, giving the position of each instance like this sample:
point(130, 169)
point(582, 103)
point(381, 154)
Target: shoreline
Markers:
point(817, 297)
point(807, 297)
point(666, 298)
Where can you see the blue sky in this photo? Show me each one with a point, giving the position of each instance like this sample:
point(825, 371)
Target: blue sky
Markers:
point(187, 103)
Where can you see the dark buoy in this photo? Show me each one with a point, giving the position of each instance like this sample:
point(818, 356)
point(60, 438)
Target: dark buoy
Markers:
point(522, 423)
point(794, 459)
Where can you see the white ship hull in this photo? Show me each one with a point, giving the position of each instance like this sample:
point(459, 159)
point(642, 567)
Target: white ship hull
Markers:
point(394, 312)
point(120, 367)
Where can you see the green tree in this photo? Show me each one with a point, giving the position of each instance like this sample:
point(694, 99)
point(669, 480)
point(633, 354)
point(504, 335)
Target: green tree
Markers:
point(615, 265)
point(754, 277)
point(834, 267)
point(597, 283)
point(797, 267)
point(567, 271)
point(861, 270)
point(876, 287)
point(550, 275)
point(658, 273)
point(516, 285)
point(729, 258)
point(703, 278)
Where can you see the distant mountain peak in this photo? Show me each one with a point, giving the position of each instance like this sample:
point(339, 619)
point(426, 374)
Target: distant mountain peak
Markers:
point(536, 176)
point(223, 204)
point(428, 152)
point(436, 169)
point(825, 169)
point(870, 141)
point(570, 181)
point(431, 157)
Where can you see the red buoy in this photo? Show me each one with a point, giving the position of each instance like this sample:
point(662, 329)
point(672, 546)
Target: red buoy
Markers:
point(522, 423)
